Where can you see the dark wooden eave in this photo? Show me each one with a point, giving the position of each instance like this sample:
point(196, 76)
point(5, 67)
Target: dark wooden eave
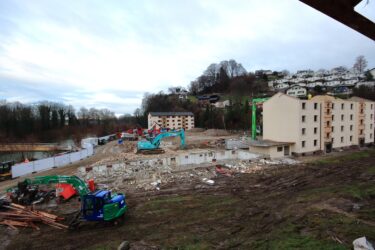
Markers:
point(343, 11)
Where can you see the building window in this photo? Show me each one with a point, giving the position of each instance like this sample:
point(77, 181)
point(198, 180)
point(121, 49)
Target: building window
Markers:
point(315, 118)
point(315, 142)
point(333, 117)
point(315, 130)
point(303, 131)
point(371, 136)
point(315, 105)
point(351, 117)
point(327, 135)
point(361, 111)
point(333, 128)
point(328, 123)
point(351, 138)
point(361, 121)
point(371, 116)
point(370, 126)
point(342, 139)
point(303, 118)
point(279, 149)
point(342, 105)
point(351, 106)
point(342, 128)
point(304, 105)
point(361, 132)
point(351, 127)
point(333, 106)
point(303, 144)
point(342, 117)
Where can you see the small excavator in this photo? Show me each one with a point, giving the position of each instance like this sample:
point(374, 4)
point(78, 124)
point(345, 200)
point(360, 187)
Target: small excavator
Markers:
point(152, 146)
point(96, 205)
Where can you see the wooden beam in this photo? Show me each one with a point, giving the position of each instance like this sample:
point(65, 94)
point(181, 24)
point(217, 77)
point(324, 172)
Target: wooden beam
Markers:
point(343, 11)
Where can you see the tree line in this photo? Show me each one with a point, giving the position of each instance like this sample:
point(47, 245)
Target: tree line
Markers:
point(48, 121)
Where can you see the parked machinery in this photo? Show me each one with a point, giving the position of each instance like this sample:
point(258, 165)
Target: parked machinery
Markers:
point(152, 146)
point(6, 170)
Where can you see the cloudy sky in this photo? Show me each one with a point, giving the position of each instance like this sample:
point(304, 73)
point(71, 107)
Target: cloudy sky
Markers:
point(106, 54)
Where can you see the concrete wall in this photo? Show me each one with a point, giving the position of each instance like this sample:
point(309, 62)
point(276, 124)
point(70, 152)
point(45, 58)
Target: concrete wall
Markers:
point(271, 151)
point(278, 112)
point(48, 163)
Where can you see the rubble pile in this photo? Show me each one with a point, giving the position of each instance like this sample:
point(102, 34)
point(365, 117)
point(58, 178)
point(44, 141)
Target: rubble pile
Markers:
point(153, 174)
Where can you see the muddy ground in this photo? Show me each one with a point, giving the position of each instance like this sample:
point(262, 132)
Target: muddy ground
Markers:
point(325, 204)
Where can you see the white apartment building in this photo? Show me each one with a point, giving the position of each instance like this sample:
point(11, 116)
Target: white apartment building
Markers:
point(320, 124)
point(172, 120)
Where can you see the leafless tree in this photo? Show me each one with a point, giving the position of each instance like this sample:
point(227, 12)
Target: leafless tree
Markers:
point(360, 64)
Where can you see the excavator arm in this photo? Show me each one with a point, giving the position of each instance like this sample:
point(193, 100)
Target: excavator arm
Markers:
point(154, 144)
point(79, 185)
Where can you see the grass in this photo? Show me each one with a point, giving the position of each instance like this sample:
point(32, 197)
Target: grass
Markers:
point(345, 158)
point(290, 237)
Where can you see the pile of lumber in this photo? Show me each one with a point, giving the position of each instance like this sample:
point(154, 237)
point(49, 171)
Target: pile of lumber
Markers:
point(19, 216)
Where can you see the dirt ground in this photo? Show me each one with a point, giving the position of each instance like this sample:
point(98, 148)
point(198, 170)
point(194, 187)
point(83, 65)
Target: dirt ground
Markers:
point(113, 153)
point(323, 204)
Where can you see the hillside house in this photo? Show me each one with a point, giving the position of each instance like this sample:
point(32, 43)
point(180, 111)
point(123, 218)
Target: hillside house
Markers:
point(297, 91)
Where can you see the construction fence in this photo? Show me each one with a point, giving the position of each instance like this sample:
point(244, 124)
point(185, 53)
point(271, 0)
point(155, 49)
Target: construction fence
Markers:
point(51, 162)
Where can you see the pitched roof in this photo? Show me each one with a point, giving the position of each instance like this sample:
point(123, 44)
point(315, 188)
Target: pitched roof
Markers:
point(170, 113)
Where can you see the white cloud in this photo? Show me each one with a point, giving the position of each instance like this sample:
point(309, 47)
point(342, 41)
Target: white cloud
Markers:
point(140, 46)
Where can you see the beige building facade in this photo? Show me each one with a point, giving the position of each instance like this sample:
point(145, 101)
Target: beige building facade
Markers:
point(322, 123)
point(172, 120)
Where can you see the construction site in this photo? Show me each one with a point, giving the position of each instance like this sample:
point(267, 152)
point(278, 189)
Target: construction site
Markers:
point(200, 189)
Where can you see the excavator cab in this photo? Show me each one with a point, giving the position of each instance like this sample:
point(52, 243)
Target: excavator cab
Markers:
point(101, 206)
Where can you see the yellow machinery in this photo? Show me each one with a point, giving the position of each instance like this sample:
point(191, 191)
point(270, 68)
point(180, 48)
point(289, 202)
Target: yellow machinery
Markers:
point(6, 170)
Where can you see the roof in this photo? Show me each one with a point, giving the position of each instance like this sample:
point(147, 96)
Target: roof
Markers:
point(268, 143)
point(359, 99)
point(170, 113)
point(100, 193)
point(323, 98)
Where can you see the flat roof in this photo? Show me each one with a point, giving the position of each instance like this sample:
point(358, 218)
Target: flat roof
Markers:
point(170, 113)
point(268, 143)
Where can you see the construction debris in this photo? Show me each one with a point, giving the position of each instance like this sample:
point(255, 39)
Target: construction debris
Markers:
point(14, 215)
point(362, 244)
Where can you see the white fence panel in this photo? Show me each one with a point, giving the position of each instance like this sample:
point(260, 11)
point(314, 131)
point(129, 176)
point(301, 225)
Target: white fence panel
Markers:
point(22, 169)
point(83, 153)
point(75, 156)
point(62, 160)
point(90, 151)
point(43, 164)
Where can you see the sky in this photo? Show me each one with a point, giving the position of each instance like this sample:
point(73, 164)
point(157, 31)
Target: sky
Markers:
point(107, 54)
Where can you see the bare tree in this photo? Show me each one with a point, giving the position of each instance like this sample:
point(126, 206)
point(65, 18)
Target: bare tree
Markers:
point(360, 64)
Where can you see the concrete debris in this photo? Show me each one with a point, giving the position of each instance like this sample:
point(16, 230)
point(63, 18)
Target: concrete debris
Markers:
point(125, 245)
point(154, 173)
point(362, 244)
point(281, 161)
point(207, 181)
point(242, 143)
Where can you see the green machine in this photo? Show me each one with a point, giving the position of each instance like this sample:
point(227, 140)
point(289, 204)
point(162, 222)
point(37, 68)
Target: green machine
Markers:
point(255, 101)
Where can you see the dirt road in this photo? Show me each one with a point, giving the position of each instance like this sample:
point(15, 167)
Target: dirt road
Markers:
point(321, 205)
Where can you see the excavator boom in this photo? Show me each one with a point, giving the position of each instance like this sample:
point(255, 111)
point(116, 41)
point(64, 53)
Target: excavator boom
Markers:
point(153, 145)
